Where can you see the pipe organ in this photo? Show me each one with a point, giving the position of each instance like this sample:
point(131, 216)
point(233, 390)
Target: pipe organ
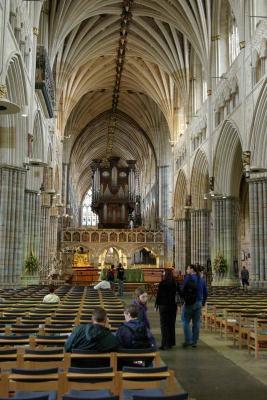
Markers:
point(114, 192)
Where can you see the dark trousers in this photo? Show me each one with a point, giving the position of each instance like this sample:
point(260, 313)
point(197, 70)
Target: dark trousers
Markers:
point(167, 325)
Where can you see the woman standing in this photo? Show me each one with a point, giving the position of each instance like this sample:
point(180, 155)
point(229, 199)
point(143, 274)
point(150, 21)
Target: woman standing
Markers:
point(166, 303)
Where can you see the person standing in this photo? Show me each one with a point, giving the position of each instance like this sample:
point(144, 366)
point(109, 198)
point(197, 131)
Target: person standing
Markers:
point(141, 302)
point(166, 304)
point(120, 278)
point(195, 295)
point(111, 277)
point(245, 278)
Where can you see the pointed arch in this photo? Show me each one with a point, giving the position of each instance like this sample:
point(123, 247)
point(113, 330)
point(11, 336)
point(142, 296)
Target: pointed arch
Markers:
point(16, 82)
point(258, 137)
point(227, 167)
point(180, 195)
point(199, 180)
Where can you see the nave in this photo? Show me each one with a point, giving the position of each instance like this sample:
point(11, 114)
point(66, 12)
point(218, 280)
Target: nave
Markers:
point(216, 368)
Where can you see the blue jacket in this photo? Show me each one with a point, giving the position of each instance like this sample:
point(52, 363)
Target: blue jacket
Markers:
point(142, 315)
point(202, 292)
point(125, 336)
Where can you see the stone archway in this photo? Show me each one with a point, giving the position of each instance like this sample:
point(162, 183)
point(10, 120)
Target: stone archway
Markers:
point(258, 190)
point(225, 204)
point(13, 136)
point(200, 212)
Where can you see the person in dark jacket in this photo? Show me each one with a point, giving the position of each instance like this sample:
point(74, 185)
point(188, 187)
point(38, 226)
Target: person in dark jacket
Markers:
point(95, 336)
point(141, 301)
point(120, 278)
point(245, 278)
point(126, 332)
point(111, 277)
point(166, 304)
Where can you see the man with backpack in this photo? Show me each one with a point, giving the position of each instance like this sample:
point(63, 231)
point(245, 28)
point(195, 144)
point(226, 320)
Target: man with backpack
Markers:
point(195, 295)
point(133, 334)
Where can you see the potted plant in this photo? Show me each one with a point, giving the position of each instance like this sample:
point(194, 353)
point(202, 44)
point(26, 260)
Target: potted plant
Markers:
point(220, 265)
point(31, 268)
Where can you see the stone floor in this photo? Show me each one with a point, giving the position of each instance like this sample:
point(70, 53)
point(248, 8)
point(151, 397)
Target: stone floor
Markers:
point(214, 370)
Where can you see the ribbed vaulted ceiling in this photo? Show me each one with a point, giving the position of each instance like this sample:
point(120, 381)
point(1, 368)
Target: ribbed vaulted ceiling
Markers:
point(84, 37)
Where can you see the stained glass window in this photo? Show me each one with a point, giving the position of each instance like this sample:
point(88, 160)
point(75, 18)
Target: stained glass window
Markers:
point(89, 218)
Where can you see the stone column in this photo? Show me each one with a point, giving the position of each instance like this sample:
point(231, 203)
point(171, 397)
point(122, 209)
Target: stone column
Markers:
point(225, 236)
point(164, 207)
point(44, 230)
point(258, 229)
point(200, 236)
point(32, 213)
point(53, 227)
point(12, 192)
point(182, 243)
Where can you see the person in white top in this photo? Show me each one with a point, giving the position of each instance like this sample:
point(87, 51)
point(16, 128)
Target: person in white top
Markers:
point(102, 285)
point(51, 297)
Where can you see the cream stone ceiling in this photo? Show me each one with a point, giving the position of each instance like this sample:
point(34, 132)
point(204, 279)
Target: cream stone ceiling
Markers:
point(83, 43)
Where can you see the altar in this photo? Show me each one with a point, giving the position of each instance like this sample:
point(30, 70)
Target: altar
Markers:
point(83, 273)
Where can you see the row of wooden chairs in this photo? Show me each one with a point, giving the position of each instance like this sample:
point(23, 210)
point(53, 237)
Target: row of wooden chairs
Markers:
point(153, 379)
point(56, 357)
point(245, 325)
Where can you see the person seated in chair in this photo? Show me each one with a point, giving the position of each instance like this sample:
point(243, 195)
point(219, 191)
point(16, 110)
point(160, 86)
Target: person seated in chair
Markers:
point(51, 297)
point(133, 334)
point(102, 285)
point(95, 336)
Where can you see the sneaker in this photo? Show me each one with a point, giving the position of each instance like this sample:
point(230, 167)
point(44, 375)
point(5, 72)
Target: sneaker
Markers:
point(185, 345)
point(194, 345)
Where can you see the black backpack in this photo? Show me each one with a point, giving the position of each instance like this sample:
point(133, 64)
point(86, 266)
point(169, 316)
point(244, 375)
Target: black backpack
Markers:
point(140, 339)
point(190, 292)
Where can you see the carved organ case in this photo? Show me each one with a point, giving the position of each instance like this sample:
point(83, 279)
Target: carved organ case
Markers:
point(113, 192)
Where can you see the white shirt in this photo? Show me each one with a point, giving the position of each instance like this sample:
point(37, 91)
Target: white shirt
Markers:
point(102, 285)
point(51, 298)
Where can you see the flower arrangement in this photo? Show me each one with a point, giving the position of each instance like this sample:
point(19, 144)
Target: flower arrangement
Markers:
point(31, 264)
point(220, 264)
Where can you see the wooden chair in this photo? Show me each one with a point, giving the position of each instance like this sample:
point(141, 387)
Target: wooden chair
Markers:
point(151, 379)
point(47, 358)
point(127, 357)
point(257, 340)
point(42, 341)
point(32, 381)
point(241, 330)
point(228, 323)
point(22, 328)
point(12, 341)
point(9, 358)
point(90, 379)
point(90, 359)
point(57, 328)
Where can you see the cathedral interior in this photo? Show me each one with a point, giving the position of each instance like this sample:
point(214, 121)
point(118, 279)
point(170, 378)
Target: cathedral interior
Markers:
point(133, 131)
point(170, 94)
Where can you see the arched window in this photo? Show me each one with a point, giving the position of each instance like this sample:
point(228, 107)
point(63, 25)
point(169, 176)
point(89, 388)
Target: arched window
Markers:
point(234, 48)
point(89, 218)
